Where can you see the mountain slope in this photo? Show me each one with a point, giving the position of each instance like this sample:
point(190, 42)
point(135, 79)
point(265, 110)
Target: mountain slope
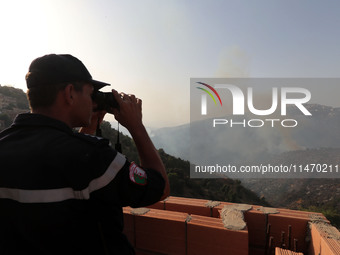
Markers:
point(316, 141)
point(12, 102)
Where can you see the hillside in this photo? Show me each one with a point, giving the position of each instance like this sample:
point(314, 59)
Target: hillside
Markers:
point(317, 194)
point(316, 141)
point(13, 101)
point(236, 144)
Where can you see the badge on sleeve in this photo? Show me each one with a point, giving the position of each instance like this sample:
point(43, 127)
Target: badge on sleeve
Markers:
point(137, 174)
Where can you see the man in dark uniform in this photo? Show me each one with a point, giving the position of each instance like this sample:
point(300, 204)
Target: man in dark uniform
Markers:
point(62, 192)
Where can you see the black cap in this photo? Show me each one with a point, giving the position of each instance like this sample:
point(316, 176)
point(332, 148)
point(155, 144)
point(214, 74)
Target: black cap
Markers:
point(53, 69)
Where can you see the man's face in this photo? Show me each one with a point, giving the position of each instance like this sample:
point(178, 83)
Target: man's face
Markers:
point(83, 106)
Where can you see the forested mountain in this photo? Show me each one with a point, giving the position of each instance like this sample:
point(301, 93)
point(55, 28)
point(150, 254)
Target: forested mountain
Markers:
point(12, 102)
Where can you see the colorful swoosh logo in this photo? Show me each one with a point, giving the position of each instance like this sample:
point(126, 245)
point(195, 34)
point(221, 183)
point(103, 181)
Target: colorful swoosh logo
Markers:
point(209, 93)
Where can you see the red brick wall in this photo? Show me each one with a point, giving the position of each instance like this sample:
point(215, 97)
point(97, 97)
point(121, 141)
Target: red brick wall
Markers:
point(188, 226)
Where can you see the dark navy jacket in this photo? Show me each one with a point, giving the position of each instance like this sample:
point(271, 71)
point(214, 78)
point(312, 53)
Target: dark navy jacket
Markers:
point(62, 192)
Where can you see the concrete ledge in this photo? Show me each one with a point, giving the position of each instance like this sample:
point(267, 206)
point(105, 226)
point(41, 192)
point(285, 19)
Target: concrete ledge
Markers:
point(268, 210)
point(140, 211)
point(233, 218)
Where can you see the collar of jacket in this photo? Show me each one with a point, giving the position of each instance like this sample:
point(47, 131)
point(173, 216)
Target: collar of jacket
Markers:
point(39, 120)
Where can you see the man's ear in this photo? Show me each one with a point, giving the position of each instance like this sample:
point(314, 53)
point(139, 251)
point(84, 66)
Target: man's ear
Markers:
point(69, 94)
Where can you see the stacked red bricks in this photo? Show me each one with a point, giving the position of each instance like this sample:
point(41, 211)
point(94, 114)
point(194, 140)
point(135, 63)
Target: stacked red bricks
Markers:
point(325, 239)
point(194, 226)
point(279, 251)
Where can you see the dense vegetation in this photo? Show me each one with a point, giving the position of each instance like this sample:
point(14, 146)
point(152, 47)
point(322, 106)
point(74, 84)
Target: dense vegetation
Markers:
point(12, 102)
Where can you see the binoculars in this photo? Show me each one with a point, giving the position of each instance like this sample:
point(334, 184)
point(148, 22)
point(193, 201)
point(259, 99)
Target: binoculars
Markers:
point(104, 100)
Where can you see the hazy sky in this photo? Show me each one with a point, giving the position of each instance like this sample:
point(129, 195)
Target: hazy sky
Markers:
point(152, 48)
